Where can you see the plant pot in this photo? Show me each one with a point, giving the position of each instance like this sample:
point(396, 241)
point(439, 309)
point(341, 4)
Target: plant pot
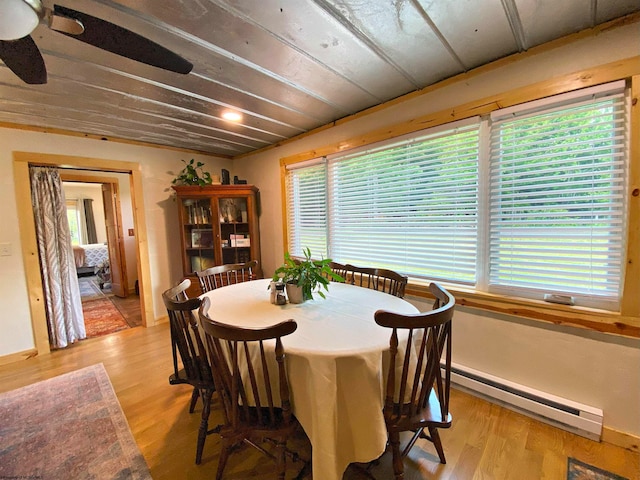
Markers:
point(294, 293)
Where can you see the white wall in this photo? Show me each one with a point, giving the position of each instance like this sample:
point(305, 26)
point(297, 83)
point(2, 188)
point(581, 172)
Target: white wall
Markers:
point(158, 165)
point(595, 369)
point(81, 191)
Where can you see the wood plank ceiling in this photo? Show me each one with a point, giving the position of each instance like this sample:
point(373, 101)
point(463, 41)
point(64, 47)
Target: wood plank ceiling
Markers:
point(287, 66)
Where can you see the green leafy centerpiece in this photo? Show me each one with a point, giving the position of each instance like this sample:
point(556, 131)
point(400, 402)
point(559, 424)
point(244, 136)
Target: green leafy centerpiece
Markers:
point(307, 275)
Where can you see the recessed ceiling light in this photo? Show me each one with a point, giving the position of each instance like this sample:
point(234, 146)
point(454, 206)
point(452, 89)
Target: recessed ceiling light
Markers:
point(231, 116)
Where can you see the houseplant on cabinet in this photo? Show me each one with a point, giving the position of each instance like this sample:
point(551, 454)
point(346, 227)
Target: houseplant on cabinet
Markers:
point(303, 277)
point(193, 174)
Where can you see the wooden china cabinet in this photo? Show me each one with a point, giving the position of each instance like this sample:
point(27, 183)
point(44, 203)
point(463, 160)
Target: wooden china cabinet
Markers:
point(218, 225)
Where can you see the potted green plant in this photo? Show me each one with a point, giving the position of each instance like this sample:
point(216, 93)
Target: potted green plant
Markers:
point(303, 277)
point(192, 174)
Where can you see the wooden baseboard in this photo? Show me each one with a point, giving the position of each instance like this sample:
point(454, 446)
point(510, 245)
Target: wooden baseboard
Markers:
point(621, 439)
point(161, 320)
point(18, 356)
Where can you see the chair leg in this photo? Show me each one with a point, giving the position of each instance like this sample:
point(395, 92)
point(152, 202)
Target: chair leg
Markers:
point(224, 455)
point(435, 438)
point(194, 398)
point(398, 467)
point(281, 466)
point(204, 424)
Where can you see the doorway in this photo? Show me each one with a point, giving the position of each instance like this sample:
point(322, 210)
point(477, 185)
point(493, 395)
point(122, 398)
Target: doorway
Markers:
point(100, 212)
point(22, 161)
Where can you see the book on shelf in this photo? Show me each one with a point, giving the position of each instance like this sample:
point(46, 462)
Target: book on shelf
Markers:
point(198, 214)
point(240, 240)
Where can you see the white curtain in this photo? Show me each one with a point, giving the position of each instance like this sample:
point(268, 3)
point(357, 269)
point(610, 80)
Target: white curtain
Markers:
point(59, 279)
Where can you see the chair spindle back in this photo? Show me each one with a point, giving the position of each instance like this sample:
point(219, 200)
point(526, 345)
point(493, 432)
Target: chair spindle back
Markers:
point(222, 275)
point(379, 279)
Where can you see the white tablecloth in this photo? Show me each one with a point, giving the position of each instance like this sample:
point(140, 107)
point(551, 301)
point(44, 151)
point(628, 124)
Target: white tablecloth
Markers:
point(334, 362)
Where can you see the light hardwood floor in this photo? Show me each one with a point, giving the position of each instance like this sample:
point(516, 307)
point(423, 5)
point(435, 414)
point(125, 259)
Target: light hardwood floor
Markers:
point(485, 442)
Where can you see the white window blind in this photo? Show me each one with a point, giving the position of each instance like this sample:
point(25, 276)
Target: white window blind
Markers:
point(410, 206)
point(557, 200)
point(307, 209)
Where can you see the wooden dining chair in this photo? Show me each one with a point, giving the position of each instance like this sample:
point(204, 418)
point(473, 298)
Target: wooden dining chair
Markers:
point(340, 269)
point(379, 279)
point(418, 398)
point(190, 362)
point(253, 387)
point(221, 275)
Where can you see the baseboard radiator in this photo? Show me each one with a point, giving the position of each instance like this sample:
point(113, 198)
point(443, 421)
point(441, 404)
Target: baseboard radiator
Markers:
point(574, 417)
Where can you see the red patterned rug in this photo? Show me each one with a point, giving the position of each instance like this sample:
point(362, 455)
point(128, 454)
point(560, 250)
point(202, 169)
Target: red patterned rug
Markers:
point(70, 426)
point(101, 317)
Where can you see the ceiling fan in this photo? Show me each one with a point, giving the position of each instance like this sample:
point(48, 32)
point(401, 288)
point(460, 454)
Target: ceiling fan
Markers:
point(18, 51)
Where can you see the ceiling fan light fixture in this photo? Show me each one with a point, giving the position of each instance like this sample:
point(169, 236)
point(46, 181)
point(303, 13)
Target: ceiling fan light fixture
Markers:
point(18, 18)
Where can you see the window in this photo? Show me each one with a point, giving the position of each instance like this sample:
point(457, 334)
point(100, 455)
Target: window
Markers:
point(557, 216)
point(73, 217)
point(527, 202)
point(411, 205)
point(307, 209)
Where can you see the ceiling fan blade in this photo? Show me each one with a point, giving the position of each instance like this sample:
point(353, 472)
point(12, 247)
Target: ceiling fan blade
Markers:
point(24, 59)
point(63, 24)
point(119, 40)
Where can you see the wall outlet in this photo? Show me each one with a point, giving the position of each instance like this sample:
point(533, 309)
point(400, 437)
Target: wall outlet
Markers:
point(5, 249)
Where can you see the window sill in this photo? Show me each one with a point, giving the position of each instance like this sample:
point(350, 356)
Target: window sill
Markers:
point(582, 317)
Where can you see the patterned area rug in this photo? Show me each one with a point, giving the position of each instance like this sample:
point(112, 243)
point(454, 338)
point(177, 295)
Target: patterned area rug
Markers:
point(577, 470)
point(101, 317)
point(70, 426)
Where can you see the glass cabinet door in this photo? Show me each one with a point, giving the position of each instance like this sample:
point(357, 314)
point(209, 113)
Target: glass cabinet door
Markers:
point(234, 229)
point(198, 233)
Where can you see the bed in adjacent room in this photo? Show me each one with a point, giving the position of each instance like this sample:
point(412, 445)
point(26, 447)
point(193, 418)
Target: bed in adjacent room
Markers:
point(89, 257)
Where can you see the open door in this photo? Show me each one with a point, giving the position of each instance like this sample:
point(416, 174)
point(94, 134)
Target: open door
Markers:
point(115, 239)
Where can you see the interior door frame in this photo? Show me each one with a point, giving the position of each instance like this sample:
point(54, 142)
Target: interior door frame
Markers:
point(21, 163)
point(115, 239)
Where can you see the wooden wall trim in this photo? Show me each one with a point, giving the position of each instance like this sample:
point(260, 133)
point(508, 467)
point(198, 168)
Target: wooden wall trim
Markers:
point(621, 439)
point(142, 242)
point(74, 177)
point(283, 195)
point(631, 292)
point(588, 318)
point(29, 247)
point(18, 356)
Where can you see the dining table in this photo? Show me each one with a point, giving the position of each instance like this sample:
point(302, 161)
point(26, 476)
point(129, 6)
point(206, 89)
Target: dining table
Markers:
point(336, 362)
